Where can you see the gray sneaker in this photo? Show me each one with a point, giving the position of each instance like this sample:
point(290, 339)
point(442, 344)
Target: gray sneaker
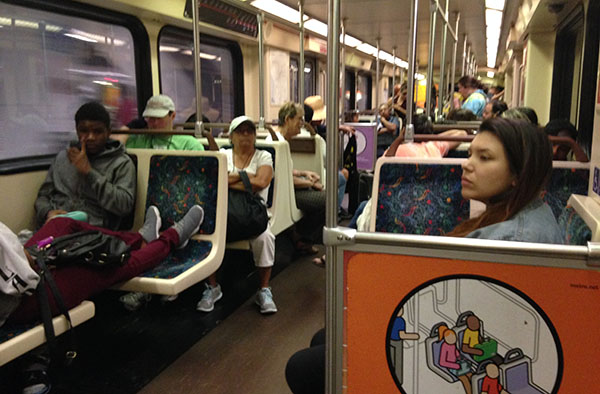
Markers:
point(209, 297)
point(189, 225)
point(150, 229)
point(264, 299)
point(134, 300)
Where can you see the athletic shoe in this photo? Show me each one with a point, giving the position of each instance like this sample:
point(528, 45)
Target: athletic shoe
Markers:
point(150, 229)
point(264, 299)
point(36, 376)
point(169, 298)
point(189, 225)
point(209, 297)
point(134, 300)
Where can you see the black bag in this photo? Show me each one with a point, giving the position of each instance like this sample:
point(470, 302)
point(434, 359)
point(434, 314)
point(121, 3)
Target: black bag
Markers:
point(92, 248)
point(246, 213)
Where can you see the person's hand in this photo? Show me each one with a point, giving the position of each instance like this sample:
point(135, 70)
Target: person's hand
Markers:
point(312, 176)
point(53, 213)
point(347, 130)
point(318, 186)
point(79, 159)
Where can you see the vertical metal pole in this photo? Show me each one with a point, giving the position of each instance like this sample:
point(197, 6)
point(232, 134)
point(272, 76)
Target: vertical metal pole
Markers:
point(261, 72)
point(412, 49)
point(343, 71)
point(197, 70)
point(468, 61)
point(393, 70)
point(453, 73)
point(377, 76)
point(333, 353)
point(464, 57)
point(442, 87)
point(301, 66)
point(431, 57)
point(355, 89)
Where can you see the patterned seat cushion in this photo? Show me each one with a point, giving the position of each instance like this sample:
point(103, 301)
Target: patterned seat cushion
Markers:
point(576, 231)
point(563, 183)
point(420, 199)
point(180, 260)
point(176, 183)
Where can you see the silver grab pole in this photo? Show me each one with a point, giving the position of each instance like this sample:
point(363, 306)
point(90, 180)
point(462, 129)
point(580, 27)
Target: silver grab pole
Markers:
point(464, 57)
point(261, 73)
point(393, 72)
point(333, 352)
point(468, 62)
point(442, 87)
point(343, 70)
point(412, 47)
point(197, 70)
point(453, 73)
point(377, 76)
point(301, 65)
point(430, 59)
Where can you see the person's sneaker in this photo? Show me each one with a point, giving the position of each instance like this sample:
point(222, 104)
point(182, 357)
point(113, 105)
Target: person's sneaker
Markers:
point(36, 379)
point(134, 300)
point(150, 229)
point(169, 298)
point(264, 299)
point(209, 297)
point(189, 225)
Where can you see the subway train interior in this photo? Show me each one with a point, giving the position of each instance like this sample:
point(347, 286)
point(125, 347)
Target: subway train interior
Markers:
point(354, 64)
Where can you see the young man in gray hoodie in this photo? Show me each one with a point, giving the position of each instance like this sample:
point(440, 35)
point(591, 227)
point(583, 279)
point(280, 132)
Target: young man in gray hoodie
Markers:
point(94, 176)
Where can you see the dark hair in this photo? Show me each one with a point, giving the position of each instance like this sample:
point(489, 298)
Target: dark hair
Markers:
point(422, 124)
point(529, 155)
point(308, 113)
point(498, 107)
point(93, 111)
point(461, 114)
point(557, 125)
point(469, 82)
point(515, 114)
point(530, 113)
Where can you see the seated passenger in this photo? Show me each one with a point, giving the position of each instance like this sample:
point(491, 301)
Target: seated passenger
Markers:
point(94, 176)
point(461, 115)
point(258, 165)
point(493, 109)
point(475, 98)
point(471, 337)
point(515, 114)
point(310, 196)
point(450, 358)
point(159, 115)
point(509, 164)
point(561, 128)
point(388, 128)
point(531, 114)
point(398, 102)
point(491, 382)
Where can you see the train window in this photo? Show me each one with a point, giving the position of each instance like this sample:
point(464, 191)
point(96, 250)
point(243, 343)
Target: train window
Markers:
point(218, 75)
point(349, 90)
point(50, 64)
point(363, 92)
point(309, 78)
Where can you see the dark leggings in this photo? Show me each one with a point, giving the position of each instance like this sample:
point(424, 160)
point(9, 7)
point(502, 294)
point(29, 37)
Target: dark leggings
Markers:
point(305, 370)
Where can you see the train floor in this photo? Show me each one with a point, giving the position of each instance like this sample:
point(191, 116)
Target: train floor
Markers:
point(172, 348)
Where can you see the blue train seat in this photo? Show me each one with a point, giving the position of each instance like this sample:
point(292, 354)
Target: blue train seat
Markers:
point(516, 371)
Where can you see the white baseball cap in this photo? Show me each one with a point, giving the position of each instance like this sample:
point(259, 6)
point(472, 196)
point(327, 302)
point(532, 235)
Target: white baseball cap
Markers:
point(158, 106)
point(235, 123)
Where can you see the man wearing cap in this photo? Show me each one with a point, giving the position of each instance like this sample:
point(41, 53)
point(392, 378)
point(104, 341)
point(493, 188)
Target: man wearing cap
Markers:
point(160, 114)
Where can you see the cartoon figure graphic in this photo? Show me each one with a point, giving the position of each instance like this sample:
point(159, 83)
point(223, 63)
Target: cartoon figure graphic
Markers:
point(451, 358)
point(474, 344)
point(491, 383)
point(399, 335)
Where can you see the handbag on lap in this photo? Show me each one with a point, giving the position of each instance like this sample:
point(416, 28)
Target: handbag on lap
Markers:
point(246, 213)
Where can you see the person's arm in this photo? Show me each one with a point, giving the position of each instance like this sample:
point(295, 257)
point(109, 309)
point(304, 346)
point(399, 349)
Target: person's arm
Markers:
point(388, 127)
point(44, 209)
point(413, 336)
point(117, 193)
point(262, 179)
point(306, 179)
point(444, 357)
point(453, 133)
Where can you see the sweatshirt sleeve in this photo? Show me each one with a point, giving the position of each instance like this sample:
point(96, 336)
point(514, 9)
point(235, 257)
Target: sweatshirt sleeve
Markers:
point(43, 204)
point(116, 195)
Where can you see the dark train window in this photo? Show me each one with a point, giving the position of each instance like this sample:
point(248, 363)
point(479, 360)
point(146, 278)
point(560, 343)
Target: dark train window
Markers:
point(219, 66)
point(309, 78)
point(50, 64)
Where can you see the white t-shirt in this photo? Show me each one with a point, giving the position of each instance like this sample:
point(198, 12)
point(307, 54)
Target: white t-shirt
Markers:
point(260, 158)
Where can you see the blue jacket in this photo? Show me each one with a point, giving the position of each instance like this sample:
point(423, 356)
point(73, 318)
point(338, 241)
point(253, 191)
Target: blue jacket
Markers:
point(475, 102)
point(534, 223)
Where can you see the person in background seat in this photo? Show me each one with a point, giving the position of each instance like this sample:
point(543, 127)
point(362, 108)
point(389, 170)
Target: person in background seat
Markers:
point(474, 96)
point(561, 128)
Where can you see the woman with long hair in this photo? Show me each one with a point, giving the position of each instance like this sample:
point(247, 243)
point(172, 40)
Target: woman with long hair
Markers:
point(509, 163)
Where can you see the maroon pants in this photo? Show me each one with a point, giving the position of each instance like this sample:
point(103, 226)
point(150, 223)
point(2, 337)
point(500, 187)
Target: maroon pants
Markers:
point(77, 283)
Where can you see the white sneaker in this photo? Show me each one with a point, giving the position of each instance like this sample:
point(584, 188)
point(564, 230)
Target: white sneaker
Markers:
point(134, 300)
point(169, 298)
point(209, 297)
point(264, 299)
